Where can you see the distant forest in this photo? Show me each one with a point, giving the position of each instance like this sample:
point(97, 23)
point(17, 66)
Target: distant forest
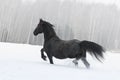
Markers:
point(72, 20)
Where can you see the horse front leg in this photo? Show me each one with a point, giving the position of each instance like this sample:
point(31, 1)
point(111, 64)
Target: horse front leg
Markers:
point(50, 58)
point(42, 54)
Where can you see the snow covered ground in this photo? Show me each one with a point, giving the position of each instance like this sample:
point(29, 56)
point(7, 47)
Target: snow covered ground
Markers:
point(23, 62)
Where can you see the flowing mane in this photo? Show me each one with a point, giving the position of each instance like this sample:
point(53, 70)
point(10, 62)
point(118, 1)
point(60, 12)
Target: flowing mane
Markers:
point(49, 31)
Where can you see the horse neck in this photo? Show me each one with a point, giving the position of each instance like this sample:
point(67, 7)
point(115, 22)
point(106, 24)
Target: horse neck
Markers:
point(49, 33)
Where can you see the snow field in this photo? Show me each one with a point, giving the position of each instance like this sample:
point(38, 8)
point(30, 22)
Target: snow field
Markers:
point(23, 62)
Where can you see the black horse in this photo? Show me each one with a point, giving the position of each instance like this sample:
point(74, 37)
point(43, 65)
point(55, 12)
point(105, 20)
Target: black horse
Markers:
point(61, 49)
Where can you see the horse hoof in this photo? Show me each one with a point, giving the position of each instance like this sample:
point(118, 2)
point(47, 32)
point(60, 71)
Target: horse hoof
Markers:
point(88, 66)
point(75, 62)
point(44, 58)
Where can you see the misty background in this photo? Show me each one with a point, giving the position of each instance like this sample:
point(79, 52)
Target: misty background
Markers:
point(73, 19)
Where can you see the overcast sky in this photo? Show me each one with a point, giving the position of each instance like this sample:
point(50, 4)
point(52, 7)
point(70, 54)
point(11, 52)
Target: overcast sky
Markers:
point(102, 1)
point(117, 2)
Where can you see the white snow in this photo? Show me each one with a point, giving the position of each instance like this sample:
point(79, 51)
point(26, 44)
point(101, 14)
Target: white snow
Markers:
point(23, 62)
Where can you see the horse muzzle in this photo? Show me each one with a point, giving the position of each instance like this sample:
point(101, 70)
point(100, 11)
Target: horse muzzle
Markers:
point(35, 34)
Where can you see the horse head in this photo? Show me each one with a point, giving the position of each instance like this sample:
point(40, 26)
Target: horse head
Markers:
point(39, 28)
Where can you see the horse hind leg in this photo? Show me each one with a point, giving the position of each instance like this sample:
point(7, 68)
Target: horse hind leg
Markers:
point(75, 62)
point(85, 62)
point(76, 59)
point(83, 58)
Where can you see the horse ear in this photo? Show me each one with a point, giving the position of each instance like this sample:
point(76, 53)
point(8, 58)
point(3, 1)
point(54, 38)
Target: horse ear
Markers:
point(41, 20)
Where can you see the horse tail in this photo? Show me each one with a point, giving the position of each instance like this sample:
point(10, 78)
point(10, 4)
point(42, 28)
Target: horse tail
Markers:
point(94, 49)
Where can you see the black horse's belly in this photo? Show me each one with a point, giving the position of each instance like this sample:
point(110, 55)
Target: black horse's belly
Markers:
point(62, 49)
point(59, 56)
point(67, 51)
